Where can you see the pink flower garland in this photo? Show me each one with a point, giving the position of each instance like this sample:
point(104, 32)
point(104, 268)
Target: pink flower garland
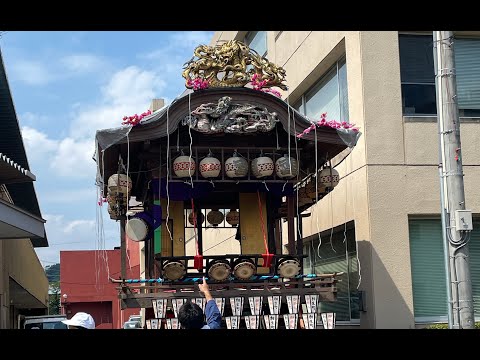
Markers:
point(330, 123)
point(135, 119)
point(102, 200)
point(198, 84)
point(260, 86)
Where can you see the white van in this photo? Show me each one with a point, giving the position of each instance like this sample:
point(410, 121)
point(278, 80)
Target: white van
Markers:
point(44, 322)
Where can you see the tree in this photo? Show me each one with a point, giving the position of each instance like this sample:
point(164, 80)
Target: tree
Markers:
point(53, 272)
point(54, 298)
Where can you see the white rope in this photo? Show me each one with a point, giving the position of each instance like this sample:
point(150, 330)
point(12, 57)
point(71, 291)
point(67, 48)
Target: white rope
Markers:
point(289, 157)
point(191, 139)
point(128, 196)
point(356, 244)
point(316, 195)
point(298, 167)
point(168, 175)
point(331, 217)
point(276, 133)
point(265, 183)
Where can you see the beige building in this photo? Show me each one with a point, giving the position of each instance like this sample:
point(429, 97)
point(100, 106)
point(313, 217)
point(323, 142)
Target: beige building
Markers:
point(23, 283)
point(381, 224)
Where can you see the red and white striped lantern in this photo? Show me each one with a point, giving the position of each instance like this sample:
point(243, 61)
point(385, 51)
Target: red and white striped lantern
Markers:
point(262, 167)
point(184, 166)
point(210, 167)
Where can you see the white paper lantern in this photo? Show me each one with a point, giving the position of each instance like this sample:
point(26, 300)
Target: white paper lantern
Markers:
point(262, 167)
point(329, 177)
point(184, 166)
point(119, 183)
point(286, 167)
point(215, 217)
point(236, 166)
point(210, 167)
point(233, 217)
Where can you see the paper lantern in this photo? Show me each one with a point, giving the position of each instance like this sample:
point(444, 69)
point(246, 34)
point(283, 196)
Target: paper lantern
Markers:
point(200, 218)
point(233, 217)
point(210, 167)
point(119, 183)
point(262, 167)
point(236, 166)
point(313, 186)
point(215, 217)
point(329, 177)
point(286, 167)
point(184, 166)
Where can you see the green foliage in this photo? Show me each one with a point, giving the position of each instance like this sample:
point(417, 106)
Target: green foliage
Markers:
point(445, 326)
point(53, 272)
point(54, 298)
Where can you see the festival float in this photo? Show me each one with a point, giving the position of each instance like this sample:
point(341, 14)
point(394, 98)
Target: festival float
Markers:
point(227, 153)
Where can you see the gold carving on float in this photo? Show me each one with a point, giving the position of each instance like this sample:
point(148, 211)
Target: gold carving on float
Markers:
point(225, 65)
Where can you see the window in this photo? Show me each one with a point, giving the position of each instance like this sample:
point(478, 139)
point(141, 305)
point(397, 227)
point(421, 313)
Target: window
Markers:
point(339, 256)
point(257, 40)
point(328, 95)
point(428, 269)
point(417, 73)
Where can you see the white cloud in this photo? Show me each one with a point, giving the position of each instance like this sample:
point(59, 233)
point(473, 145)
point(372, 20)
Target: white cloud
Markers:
point(68, 196)
point(31, 72)
point(77, 234)
point(129, 92)
point(74, 158)
point(88, 224)
point(82, 63)
point(39, 148)
point(31, 119)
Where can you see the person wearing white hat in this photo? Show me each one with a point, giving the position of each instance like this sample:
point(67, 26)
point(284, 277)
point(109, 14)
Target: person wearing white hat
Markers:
point(80, 320)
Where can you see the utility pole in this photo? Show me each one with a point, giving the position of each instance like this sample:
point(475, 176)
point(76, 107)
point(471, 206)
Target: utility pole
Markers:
point(456, 221)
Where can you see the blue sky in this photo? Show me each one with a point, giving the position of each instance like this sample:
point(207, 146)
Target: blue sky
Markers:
point(67, 85)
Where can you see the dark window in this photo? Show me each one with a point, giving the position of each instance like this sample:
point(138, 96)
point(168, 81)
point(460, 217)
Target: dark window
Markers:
point(417, 71)
point(417, 74)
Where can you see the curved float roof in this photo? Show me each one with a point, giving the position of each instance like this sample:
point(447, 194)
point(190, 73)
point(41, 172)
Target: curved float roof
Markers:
point(166, 121)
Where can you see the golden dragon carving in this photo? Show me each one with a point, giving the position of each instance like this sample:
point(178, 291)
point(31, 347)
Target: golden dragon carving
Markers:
point(231, 64)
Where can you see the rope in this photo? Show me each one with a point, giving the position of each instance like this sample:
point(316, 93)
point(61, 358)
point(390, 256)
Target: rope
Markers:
point(191, 139)
point(316, 194)
point(261, 220)
point(194, 225)
point(168, 175)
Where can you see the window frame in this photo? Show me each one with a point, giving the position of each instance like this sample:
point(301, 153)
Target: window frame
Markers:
point(252, 35)
point(423, 320)
point(302, 102)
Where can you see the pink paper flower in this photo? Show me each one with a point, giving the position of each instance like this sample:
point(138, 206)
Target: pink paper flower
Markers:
point(328, 123)
point(135, 119)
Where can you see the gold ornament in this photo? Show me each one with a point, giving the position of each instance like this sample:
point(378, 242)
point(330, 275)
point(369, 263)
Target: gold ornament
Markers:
point(225, 65)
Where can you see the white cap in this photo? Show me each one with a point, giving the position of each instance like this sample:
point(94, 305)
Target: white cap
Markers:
point(81, 319)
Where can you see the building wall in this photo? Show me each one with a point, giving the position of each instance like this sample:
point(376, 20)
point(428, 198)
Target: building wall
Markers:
point(19, 262)
point(392, 172)
point(84, 278)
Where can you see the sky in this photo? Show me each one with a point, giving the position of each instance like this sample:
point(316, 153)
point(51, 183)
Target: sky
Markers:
point(65, 87)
